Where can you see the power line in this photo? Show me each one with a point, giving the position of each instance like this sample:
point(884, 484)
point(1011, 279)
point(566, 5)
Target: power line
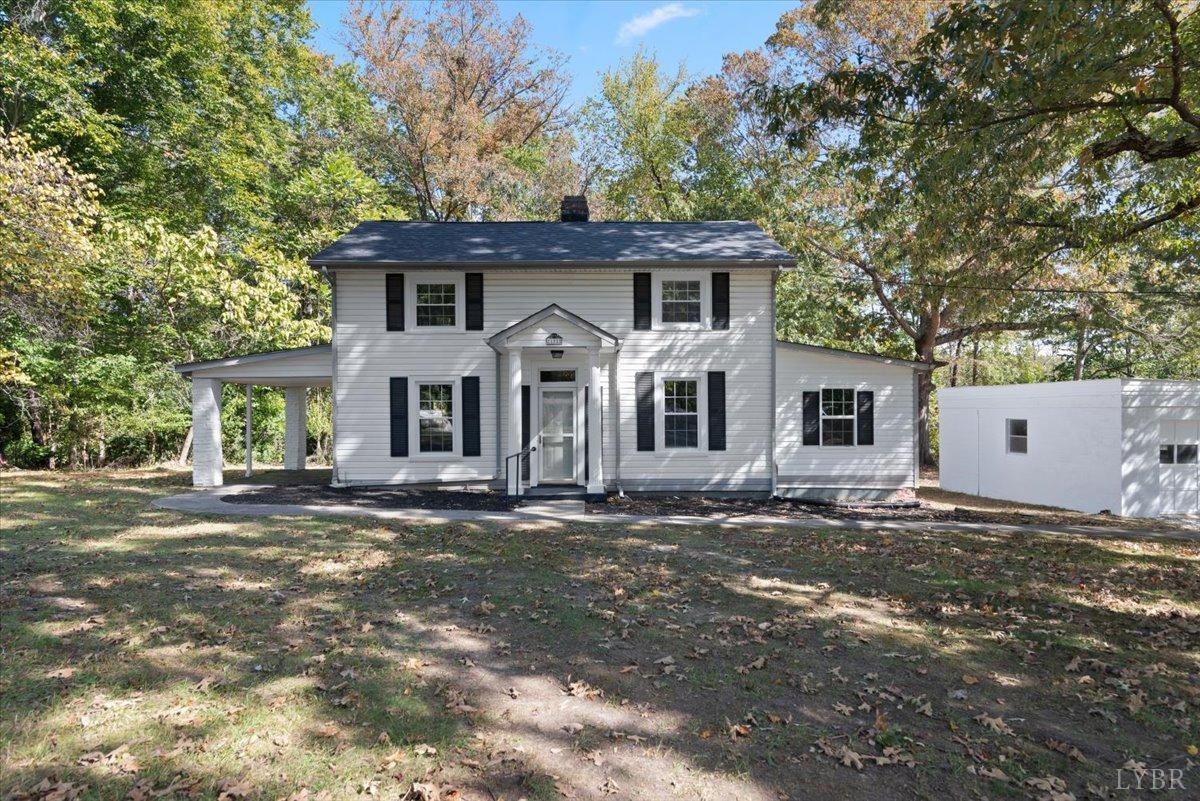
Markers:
point(1193, 296)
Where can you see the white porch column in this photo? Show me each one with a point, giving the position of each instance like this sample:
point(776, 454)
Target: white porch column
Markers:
point(595, 483)
point(207, 460)
point(295, 427)
point(514, 416)
point(249, 422)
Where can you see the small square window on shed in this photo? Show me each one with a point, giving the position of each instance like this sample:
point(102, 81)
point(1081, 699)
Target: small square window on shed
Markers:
point(1166, 454)
point(1018, 436)
point(1186, 454)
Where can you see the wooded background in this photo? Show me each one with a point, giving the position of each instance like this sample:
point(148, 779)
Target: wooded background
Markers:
point(1009, 188)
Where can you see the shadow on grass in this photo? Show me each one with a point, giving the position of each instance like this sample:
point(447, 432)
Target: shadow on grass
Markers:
point(619, 660)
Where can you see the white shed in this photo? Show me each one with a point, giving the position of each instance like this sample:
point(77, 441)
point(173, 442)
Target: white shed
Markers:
point(1128, 446)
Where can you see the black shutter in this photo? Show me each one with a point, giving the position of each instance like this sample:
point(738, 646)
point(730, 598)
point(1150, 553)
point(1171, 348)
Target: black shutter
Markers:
point(716, 411)
point(720, 301)
point(587, 410)
point(470, 415)
point(525, 430)
point(644, 383)
point(399, 405)
point(641, 301)
point(395, 301)
point(474, 301)
point(866, 418)
point(812, 418)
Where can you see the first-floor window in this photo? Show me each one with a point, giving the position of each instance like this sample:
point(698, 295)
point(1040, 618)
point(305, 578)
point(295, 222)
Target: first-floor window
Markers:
point(1018, 436)
point(681, 413)
point(435, 420)
point(837, 416)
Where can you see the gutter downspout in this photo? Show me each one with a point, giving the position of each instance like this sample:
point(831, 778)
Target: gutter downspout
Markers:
point(614, 382)
point(774, 389)
point(333, 380)
point(499, 440)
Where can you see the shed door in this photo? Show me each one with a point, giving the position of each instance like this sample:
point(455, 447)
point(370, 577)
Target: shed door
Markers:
point(1179, 467)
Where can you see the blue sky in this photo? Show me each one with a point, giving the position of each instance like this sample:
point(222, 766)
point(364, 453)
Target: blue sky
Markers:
point(596, 35)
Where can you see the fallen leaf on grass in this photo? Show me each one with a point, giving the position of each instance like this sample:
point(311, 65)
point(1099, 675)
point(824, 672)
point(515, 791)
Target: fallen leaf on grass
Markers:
point(995, 724)
point(424, 749)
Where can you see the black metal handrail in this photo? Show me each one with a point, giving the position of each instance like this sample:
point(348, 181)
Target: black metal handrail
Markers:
point(508, 461)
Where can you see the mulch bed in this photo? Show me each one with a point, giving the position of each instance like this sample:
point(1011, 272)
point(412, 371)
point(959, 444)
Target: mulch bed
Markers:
point(800, 510)
point(378, 498)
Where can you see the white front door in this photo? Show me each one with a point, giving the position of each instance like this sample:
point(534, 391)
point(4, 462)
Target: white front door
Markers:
point(558, 436)
point(1179, 467)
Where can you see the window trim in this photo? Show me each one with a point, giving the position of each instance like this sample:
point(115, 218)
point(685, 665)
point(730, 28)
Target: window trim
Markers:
point(414, 417)
point(660, 411)
point(416, 279)
point(1008, 435)
point(704, 278)
point(852, 417)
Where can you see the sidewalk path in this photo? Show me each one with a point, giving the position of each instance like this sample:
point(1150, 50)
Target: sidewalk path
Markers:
point(208, 501)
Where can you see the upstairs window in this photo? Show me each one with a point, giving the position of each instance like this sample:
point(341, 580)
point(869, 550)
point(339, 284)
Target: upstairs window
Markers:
point(436, 305)
point(1166, 454)
point(435, 418)
point(1186, 453)
point(681, 413)
point(681, 302)
point(1018, 436)
point(837, 417)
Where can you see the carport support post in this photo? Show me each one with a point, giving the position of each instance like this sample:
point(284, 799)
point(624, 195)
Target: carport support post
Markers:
point(295, 427)
point(249, 422)
point(207, 460)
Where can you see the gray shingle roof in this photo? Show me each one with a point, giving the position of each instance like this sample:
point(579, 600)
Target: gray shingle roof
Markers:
point(384, 242)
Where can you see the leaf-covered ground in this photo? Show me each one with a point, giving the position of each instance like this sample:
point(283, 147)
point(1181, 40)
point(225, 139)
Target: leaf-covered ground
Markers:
point(148, 654)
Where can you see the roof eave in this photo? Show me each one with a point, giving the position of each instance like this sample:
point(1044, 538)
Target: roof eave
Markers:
point(765, 264)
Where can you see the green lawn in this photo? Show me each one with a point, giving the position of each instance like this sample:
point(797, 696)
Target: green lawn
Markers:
point(149, 654)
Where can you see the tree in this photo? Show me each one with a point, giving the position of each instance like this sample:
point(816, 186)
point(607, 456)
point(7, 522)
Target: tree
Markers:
point(863, 208)
point(1079, 120)
point(469, 105)
point(47, 211)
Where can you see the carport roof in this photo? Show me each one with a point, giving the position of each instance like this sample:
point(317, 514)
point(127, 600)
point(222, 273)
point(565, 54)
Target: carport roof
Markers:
point(307, 366)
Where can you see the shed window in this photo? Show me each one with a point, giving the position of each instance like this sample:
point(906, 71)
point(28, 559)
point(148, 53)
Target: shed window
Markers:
point(435, 421)
point(681, 413)
point(1166, 454)
point(837, 417)
point(1018, 436)
point(1186, 454)
point(436, 305)
point(681, 302)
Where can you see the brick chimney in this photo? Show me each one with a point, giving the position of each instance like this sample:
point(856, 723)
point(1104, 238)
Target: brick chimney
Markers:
point(574, 208)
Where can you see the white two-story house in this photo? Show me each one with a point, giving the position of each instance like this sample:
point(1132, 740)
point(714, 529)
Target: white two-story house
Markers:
point(586, 356)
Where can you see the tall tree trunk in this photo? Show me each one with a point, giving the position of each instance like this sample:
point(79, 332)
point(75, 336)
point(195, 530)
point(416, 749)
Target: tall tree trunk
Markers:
point(954, 363)
point(187, 446)
point(35, 416)
point(975, 363)
point(926, 347)
point(1081, 348)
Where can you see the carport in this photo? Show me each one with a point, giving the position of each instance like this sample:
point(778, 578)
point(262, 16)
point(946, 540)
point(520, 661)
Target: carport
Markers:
point(295, 370)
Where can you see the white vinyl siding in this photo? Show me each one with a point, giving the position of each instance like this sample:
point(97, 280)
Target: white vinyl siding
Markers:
point(889, 464)
point(367, 356)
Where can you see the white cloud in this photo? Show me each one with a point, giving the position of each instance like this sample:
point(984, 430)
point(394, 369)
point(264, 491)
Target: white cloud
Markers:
point(642, 24)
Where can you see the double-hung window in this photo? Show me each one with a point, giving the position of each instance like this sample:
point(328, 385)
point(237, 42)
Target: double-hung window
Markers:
point(681, 412)
point(435, 418)
point(681, 301)
point(837, 417)
point(1018, 435)
point(437, 305)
